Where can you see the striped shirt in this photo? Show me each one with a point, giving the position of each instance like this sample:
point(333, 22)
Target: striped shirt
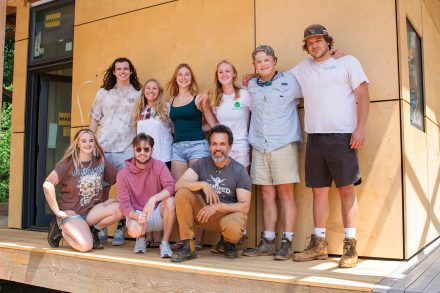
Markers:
point(274, 120)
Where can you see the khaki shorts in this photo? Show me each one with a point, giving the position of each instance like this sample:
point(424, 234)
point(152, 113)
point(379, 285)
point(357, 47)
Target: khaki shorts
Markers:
point(277, 167)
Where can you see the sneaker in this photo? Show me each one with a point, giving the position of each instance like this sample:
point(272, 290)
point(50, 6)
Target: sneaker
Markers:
point(55, 235)
point(141, 245)
point(119, 236)
point(186, 253)
point(97, 244)
point(231, 251)
point(317, 249)
point(165, 250)
point(349, 258)
point(285, 252)
point(265, 247)
point(103, 235)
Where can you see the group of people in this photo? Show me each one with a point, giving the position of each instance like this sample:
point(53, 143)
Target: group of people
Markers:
point(155, 149)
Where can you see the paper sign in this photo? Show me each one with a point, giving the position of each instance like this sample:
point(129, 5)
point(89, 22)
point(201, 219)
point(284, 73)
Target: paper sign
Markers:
point(66, 131)
point(64, 119)
point(52, 136)
point(52, 20)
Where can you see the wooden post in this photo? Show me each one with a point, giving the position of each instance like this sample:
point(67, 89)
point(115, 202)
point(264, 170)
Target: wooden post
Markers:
point(2, 50)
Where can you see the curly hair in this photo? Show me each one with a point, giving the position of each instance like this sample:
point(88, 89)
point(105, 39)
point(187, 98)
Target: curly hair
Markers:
point(216, 91)
point(160, 106)
point(327, 38)
point(172, 86)
point(110, 79)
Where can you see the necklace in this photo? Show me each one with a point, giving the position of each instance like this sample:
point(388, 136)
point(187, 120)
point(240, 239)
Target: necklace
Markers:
point(218, 170)
point(88, 167)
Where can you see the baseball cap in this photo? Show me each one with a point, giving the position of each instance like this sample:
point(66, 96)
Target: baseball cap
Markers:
point(264, 48)
point(315, 30)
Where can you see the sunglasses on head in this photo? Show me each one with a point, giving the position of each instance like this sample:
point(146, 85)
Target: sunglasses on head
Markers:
point(145, 149)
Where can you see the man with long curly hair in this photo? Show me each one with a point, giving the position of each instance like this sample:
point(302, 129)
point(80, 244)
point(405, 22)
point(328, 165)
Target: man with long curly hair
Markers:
point(112, 110)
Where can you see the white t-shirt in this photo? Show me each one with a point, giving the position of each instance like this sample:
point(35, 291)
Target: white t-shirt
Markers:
point(329, 99)
point(235, 113)
point(161, 133)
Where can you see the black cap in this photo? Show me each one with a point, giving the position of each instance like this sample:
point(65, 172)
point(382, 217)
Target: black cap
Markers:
point(315, 30)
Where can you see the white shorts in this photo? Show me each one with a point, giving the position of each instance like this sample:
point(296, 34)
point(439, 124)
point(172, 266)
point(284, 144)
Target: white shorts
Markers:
point(155, 223)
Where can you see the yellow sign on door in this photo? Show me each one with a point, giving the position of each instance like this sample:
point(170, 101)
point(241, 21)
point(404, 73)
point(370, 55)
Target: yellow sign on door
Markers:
point(64, 119)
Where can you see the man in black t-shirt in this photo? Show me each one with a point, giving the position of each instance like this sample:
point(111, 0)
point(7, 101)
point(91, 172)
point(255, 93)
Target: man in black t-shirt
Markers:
point(215, 194)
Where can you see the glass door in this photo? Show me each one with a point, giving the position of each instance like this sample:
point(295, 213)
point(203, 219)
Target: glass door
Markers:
point(52, 136)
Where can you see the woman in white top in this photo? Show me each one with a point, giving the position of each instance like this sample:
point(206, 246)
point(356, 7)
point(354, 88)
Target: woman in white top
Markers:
point(232, 105)
point(151, 117)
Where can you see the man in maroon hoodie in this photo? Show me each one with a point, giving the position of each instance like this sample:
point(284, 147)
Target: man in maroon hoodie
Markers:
point(146, 195)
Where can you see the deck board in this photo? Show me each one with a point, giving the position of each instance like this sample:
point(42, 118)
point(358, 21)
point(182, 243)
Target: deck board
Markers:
point(245, 273)
point(418, 275)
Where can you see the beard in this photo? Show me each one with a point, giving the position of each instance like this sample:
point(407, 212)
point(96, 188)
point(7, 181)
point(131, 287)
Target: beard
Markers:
point(143, 162)
point(219, 157)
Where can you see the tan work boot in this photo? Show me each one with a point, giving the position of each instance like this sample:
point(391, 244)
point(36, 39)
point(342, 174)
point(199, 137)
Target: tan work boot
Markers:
point(317, 249)
point(349, 258)
point(265, 247)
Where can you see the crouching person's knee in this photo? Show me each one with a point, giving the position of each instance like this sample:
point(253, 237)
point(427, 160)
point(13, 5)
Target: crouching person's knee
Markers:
point(234, 226)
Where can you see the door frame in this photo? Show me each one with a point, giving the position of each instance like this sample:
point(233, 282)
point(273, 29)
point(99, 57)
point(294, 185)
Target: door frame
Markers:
point(36, 140)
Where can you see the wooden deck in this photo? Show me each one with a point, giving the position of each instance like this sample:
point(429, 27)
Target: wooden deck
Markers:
point(421, 274)
point(25, 257)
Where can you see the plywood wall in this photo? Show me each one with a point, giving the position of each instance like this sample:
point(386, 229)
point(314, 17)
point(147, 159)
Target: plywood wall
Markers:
point(18, 116)
point(421, 163)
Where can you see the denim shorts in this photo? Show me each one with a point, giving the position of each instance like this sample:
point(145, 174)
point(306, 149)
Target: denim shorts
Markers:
point(74, 217)
point(189, 150)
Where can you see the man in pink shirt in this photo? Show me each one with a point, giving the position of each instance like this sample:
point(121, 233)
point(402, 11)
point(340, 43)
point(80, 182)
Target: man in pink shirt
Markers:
point(146, 195)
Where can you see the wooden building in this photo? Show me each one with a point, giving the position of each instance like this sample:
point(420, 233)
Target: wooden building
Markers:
point(63, 47)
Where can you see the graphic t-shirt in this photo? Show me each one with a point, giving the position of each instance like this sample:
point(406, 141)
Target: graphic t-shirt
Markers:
point(225, 181)
point(82, 189)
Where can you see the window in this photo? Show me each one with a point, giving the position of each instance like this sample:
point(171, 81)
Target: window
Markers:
point(417, 102)
point(51, 31)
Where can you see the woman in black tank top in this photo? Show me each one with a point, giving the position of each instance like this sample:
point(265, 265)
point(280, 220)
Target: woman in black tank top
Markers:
point(189, 143)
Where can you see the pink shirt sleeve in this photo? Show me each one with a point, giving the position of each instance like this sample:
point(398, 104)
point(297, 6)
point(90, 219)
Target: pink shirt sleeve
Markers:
point(166, 180)
point(123, 194)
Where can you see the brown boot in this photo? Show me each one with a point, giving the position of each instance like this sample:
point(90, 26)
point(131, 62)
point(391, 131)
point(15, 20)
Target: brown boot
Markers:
point(349, 258)
point(265, 247)
point(317, 249)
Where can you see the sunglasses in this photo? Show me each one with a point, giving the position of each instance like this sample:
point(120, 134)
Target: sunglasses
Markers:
point(145, 149)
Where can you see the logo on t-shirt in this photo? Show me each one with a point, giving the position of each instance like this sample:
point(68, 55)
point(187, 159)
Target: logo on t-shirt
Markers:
point(237, 106)
point(89, 183)
point(218, 185)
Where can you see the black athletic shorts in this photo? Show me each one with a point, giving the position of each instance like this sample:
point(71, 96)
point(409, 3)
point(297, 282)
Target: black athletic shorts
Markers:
point(329, 158)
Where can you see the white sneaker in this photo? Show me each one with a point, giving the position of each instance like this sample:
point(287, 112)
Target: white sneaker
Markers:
point(165, 250)
point(140, 246)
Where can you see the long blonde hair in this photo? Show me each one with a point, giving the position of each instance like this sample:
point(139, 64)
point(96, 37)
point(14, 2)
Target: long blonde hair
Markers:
point(216, 91)
point(160, 106)
point(173, 87)
point(72, 151)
